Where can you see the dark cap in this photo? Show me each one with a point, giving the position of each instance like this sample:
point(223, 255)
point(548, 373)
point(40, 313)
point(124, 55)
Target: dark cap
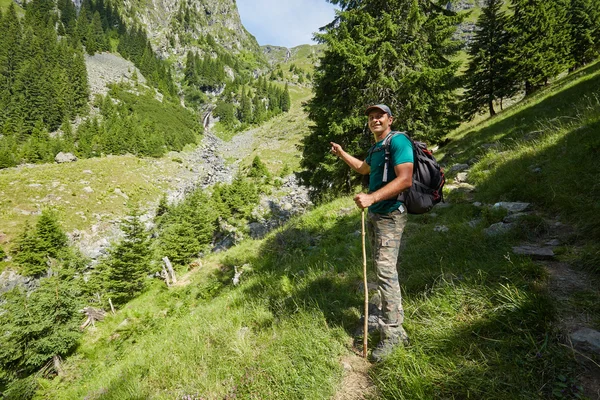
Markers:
point(381, 107)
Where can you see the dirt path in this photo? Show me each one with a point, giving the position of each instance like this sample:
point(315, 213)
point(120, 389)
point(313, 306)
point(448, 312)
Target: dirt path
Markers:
point(356, 384)
point(566, 285)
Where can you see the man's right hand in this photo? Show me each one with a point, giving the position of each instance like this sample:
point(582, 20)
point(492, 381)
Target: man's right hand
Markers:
point(336, 149)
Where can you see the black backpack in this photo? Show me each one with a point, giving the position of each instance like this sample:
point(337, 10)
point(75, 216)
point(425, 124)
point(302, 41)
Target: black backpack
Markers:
point(428, 177)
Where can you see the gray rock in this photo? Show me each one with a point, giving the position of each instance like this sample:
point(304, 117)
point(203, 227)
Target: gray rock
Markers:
point(474, 223)
point(553, 242)
point(465, 187)
point(513, 207)
point(477, 204)
point(461, 177)
point(514, 217)
point(588, 339)
point(458, 168)
point(258, 230)
point(498, 229)
point(88, 189)
point(535, 252)
point(65, 157)
point(441, 228)
point(9, 280)
point(121, 193)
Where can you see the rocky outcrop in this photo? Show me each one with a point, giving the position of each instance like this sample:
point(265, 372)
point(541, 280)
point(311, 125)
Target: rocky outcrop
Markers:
point(174, 26)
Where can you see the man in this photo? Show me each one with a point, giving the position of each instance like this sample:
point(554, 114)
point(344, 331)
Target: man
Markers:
point(386, 218)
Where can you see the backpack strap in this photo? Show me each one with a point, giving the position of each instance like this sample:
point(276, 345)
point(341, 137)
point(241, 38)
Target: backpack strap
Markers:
point(388, 153)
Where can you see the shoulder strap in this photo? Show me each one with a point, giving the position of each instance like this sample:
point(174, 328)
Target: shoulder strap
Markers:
point(388, 154)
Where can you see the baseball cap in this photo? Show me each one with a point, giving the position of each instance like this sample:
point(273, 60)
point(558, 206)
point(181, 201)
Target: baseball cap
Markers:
point(381, 107)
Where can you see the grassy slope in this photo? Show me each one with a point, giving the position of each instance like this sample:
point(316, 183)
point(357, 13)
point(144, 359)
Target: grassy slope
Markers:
point(556, 131)
point(480, 319)
point(277, 141)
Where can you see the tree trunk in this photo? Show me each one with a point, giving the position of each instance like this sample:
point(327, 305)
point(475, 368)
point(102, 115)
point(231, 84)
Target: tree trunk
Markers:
point(491, 106)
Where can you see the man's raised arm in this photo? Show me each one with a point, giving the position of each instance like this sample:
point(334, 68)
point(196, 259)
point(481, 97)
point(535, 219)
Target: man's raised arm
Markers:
point(358, 165)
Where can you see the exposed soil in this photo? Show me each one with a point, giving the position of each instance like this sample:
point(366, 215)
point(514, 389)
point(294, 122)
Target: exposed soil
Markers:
point(356, 384)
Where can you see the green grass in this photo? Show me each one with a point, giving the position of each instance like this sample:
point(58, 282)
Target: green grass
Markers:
point(4, 4)
point(480, 322)
point(25, 190)
point(544, 151)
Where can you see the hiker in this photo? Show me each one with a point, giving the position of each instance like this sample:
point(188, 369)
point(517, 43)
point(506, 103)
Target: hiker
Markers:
point(387, 218)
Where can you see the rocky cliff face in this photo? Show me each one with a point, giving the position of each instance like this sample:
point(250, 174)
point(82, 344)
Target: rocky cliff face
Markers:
point(176, 26)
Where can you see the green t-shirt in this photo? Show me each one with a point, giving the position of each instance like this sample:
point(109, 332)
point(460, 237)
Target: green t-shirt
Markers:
point(401, 151)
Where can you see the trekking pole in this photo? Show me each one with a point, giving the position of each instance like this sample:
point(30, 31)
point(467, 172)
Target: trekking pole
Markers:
point(366, 325)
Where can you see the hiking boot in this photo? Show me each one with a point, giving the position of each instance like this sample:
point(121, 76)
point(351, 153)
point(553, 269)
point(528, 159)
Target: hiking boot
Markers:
point(387, 345)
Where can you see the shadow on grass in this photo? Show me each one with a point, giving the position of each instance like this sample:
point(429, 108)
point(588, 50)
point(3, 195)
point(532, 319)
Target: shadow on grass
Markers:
point(562, 104)
point(317, 265)
point(560, 179)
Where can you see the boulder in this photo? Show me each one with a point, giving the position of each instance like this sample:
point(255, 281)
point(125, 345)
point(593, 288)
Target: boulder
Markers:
point(65, 157)
point(498, 229)
point(513, 207)
point(461, 177)
point(458, 168)
point(514, 217)
point(441, 229)
point(535, 252)
point(587, 339)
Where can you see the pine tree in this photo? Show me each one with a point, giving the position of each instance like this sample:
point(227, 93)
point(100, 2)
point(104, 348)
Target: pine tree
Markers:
point(68, 15)
point(245, 109)
point(36, 246)
point(129, 261)
point(260, 111)
point(178, 242)
point(11, 57)
point(582, 32)
point(540, 41)
point(285, 101)
point(83, 25)
point(96, 40)
point(488, 72)
point(39, 326)
point(395, 52)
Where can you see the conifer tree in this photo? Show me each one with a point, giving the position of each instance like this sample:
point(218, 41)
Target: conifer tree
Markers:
point(539, 41)
point(395, 52)
point(189, 72)
point(83, 25)
point(96, 40)
point(39, 326)
point(285, 101)
point(259, 110)
point(129, 261)
point(582, 28)
point(68, 15)
point(245, 109)
point(487, 78)
point(35, 246)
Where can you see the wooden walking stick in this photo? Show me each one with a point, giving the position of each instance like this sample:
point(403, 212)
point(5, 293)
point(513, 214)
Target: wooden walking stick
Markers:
point(366, 326)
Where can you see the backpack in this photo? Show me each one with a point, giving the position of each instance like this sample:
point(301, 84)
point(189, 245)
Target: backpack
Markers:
point(428, 177)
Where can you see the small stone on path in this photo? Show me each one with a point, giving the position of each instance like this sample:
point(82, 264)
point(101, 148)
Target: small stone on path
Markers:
point(535, 252)
point(586, 338)
point(498, 229)
point(512, 207)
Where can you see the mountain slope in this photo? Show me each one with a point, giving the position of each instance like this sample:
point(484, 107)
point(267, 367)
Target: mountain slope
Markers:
point(481, 318)
point(174, 27)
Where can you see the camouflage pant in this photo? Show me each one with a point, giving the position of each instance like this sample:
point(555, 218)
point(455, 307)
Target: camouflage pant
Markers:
point(385, 232)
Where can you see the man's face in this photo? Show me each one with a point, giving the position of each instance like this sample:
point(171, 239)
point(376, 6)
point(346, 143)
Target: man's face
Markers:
point(379, 122)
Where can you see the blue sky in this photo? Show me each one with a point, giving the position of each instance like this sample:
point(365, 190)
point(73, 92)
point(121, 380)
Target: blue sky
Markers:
point(287, 23)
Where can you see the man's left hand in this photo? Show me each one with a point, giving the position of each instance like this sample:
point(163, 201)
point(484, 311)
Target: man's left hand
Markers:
point(364, 200)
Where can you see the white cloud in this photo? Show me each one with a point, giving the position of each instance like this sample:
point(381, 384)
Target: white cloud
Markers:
point(286, 23)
